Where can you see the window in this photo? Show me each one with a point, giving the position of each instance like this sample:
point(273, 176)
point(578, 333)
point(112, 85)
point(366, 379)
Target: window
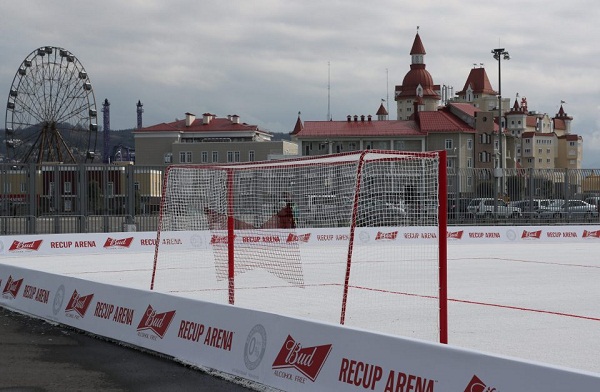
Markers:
point(7, 187)
point(236, 156)
point(23, 187)
point(229, 156)
point(539, 150)
point(449, 163)
point(136, 185)
point(215, 156)
point(251, 155)
point(484, 157)
point(448, 144)
point(168, 157)
point(469, 181)
point(547, 151)
point(185, 157)
point(469, 162)
point(469, 144)
point(68, 187)
point(204, 157)
point(571, 144)
point(352, 146)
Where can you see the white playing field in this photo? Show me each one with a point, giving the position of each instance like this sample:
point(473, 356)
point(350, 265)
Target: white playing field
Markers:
point(526, 300)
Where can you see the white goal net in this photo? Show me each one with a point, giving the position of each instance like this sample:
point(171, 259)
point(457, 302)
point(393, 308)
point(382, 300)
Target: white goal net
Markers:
point(347, 238)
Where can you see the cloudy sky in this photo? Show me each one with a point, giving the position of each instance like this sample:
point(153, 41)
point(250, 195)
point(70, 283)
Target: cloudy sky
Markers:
point(267, 60)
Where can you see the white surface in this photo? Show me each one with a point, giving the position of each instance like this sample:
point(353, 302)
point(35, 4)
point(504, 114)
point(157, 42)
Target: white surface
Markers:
point(535, 301)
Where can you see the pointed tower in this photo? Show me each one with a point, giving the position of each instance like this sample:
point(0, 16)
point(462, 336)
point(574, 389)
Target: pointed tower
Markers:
point(516, 118)
point(562, 122)
point(298, 127)
point(382, 114)
point(417, 83)
point(478, 90)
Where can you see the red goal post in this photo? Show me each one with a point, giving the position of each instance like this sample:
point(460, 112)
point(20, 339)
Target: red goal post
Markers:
point(361, 235)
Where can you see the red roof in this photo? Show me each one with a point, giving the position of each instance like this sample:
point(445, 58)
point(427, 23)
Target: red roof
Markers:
point(298, 127)
point(559, 123)
point(442, 121)
point(530, 134)
point(215, 125)
point(428, 122)
point(479, 82)
point(381, 111)
point(319, 129)
point(570, 137)
point(417, 47)
point(466, 108)
point(417, 76)
point(531, 121)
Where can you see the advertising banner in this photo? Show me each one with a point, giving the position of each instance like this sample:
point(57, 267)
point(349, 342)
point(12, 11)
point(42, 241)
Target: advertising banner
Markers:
point(282, 352)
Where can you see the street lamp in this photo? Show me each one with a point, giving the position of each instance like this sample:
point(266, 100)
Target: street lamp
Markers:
point(500, 54)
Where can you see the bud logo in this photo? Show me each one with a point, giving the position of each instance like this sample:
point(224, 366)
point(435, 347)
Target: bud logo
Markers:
point(386, 236)
point(219, 239)
point(79, 304)
point(12, 287)
point(156, 322)
point(118, 243)
point(307, 360)
point(455, 235)
point(476, 385)
point(298, 238)
point(18, 246)
point(591, 234)
point(531, 234)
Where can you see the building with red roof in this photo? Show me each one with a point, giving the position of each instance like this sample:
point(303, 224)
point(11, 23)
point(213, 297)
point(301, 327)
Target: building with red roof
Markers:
point(209, 139)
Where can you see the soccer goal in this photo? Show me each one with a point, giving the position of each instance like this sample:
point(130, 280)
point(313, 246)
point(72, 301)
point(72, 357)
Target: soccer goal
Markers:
point(356, 238)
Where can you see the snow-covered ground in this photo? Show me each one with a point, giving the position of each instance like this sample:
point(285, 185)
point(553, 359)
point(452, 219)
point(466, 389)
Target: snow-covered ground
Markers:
point(535, 301)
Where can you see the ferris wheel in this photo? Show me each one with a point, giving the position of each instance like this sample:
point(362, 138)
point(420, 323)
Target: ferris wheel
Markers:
point(51, 111)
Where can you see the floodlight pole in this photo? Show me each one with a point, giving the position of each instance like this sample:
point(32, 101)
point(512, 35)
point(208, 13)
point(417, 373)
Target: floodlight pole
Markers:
point(500, 54)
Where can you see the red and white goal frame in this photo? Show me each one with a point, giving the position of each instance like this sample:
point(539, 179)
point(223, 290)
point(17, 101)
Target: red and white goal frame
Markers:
point(360, 234)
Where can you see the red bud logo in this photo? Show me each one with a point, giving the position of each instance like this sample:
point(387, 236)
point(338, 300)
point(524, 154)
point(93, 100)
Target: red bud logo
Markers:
point(307, 360)
point(591, 234)
point(386, 236)
point(118, 243)
point(455, 235)
point(79, 304)
point(531, 234)
point(25, 246)
point(12, 287)
point(218, 239)
point(298, 238)
point(476, 385)
point(156, 322)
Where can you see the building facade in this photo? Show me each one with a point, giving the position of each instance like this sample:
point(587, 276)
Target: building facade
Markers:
point(466, 126)
point(207, 140)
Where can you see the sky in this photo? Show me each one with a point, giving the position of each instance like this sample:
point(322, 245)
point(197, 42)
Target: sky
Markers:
point(268, 60)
